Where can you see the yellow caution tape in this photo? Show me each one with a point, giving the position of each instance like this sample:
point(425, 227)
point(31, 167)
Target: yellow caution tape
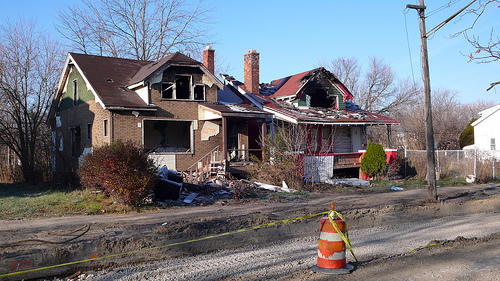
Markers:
point(164, 246)
point(331, 217)
point(430, 245)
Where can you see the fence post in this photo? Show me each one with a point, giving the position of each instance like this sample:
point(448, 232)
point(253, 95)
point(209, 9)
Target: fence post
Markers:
point(475, 162)
point(405, 160)
point(493, 158)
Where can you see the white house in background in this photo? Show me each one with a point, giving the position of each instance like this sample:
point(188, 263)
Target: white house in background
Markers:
point(487, 129)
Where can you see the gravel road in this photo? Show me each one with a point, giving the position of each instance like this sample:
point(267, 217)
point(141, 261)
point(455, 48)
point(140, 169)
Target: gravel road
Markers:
point(280, 260)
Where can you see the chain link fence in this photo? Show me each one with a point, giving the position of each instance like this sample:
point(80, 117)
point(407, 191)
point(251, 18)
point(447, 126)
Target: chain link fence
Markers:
point(481, 165)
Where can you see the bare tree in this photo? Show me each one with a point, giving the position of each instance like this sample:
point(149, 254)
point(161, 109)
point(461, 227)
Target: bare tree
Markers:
point(29, 68)
point(487, 50)
point(378, 90)
point(137, 29)
point(450, 117)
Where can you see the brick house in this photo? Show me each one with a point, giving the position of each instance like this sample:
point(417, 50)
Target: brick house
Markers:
point(169, 106)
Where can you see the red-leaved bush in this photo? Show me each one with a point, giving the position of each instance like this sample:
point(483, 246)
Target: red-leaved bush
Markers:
point(122, 170)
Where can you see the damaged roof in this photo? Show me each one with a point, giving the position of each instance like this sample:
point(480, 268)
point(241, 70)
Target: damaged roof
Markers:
point(291, 85)
point(112, 80)
point(312, 115)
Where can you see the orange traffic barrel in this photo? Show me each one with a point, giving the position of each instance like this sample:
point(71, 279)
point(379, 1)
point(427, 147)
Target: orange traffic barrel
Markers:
point(331, 248)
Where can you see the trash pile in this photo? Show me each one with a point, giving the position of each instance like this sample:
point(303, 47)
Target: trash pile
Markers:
point(171, 186)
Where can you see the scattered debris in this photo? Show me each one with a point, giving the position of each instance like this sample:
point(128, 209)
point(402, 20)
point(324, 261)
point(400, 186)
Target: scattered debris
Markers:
point(351, 181)
point(189, 199)
point(283, 188)
point(397, 188)
point(470, 179)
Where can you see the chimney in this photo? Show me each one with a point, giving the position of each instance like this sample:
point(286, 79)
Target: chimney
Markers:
point(251, 71)
point(209, 58)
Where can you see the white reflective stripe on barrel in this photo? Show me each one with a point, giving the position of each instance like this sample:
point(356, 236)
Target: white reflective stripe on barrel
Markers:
point(328, 236)
point(334, 256)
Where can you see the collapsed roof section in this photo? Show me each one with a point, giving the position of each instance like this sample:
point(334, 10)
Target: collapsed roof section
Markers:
point(310, 97)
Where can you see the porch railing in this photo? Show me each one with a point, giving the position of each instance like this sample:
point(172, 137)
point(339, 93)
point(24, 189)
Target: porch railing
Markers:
point(207, 164)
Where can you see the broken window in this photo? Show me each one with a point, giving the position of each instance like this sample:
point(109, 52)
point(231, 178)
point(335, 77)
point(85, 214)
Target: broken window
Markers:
point(76, 141)
point(199, 92)
point(167, 91)
point(168, 136)
point(183, 87)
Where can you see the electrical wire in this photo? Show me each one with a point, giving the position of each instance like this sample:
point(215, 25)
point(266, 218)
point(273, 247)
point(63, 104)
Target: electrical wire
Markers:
point(405, 11)
point(437, 10)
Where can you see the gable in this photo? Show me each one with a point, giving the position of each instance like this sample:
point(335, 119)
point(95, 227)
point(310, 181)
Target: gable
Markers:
point(320, 92)
point(84, 93)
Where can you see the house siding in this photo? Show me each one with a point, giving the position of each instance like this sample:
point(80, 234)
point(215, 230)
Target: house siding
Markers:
point(84, 94)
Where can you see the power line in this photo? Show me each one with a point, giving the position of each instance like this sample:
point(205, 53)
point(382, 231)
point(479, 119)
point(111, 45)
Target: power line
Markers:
point(405, 11)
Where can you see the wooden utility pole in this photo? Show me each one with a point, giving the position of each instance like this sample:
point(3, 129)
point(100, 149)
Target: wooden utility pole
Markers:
point(429, 129)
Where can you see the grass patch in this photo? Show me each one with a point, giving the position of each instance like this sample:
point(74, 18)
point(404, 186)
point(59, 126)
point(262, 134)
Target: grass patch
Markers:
point(19, 201)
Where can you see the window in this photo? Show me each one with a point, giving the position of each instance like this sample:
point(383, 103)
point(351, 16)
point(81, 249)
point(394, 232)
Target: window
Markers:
point(76, 141)
point(314, 138)
point(492, 144)
point(199, 92)
point(89, 131)
point(105, 127)
point(168, 136)
point(75, 92)
point(326, 138)
point(167, 91)
point(182, 89)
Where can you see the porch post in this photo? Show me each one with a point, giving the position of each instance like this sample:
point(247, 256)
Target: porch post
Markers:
point(224, 141)
point(389, 144)
point(263, 129)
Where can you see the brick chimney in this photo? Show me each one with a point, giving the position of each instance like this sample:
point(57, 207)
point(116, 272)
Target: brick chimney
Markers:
point(251, 71)
point(209, 58)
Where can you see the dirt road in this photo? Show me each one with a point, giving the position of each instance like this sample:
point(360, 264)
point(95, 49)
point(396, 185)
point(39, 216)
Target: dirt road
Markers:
point(383, 213)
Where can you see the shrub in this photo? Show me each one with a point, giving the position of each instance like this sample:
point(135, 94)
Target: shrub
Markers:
point(121, 170)
point(374, 161)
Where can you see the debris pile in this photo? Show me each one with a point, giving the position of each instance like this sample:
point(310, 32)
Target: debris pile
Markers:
point(170, 186)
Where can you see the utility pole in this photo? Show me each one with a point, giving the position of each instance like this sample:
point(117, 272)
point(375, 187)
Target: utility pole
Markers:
point(429, 129)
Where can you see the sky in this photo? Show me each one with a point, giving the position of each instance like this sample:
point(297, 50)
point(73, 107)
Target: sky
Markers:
point(296, 36)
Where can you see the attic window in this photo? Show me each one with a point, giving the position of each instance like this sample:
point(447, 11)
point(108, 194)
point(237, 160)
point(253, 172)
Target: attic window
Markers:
point(167, 90)
point(109, 80)
point(182, 89)
point(75, 92)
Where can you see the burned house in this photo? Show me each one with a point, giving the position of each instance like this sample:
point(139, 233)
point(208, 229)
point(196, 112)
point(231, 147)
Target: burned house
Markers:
point(315, 100)
point(168, 106)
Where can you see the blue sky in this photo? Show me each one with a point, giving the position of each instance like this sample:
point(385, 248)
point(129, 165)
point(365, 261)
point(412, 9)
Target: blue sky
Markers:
point(295, 36)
